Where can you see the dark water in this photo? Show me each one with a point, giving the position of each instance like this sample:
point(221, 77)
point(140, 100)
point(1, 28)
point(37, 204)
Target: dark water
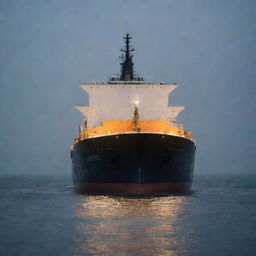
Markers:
point(43, 216)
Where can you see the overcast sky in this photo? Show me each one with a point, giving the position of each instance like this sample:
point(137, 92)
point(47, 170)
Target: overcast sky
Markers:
point(48, 46)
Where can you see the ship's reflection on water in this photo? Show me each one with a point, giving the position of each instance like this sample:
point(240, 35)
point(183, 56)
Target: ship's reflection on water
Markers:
point(130, 226)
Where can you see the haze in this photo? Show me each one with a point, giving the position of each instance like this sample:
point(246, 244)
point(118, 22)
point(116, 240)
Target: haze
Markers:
point(48, 47)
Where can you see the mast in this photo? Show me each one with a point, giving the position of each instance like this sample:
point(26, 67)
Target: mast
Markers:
point(127, 72)
point(127, 64)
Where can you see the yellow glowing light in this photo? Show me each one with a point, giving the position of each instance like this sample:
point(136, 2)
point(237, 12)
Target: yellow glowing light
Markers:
point(136, 102)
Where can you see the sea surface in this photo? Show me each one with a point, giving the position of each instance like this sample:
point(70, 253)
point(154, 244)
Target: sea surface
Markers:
point(42, 215)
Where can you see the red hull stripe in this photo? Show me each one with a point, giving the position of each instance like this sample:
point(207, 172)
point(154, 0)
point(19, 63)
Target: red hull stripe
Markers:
point(129, 188)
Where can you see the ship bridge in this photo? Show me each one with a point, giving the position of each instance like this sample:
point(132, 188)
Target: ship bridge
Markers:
point(117, 99)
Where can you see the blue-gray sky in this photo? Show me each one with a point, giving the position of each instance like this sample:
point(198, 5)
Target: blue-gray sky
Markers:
point(48, 46)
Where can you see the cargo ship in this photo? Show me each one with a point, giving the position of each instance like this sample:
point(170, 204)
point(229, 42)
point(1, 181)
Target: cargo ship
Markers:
point(130, 142)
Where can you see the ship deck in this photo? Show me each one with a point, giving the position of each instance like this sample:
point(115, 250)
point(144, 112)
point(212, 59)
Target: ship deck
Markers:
point(116, 127)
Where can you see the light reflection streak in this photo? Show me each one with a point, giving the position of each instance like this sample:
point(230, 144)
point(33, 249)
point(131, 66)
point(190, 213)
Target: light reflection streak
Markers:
point(129, 226)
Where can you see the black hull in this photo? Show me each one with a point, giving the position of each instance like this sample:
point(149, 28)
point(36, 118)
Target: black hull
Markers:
point(133, 164)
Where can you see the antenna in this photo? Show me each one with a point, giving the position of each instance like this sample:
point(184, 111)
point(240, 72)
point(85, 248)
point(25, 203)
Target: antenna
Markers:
point(127, 64)
point(127, 73)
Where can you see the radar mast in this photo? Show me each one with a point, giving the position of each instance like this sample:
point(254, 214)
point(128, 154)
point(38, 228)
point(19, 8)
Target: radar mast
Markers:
point(127, 72)
point(127, 64)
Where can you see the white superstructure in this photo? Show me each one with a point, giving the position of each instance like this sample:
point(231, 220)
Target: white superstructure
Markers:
point(116, 101)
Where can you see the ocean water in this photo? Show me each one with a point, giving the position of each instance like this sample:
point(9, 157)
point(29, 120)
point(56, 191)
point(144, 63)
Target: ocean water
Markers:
point(42, 215)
